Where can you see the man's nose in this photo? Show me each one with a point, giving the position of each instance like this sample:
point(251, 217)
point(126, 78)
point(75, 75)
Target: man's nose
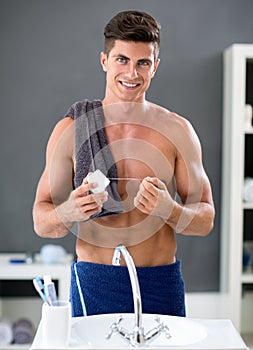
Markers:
point(132, 71)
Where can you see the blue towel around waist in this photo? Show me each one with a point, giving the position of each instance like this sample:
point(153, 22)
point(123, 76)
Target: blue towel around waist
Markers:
point(101, 289)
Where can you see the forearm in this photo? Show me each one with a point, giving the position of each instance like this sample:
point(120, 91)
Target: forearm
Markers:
point(192, 219)
point(49, 221)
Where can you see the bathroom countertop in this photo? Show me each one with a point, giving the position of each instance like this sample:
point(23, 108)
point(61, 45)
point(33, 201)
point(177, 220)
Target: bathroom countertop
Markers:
point(221, 334)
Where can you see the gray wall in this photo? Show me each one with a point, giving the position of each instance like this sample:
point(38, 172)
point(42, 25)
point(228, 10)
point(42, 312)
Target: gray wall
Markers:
point(50, 58)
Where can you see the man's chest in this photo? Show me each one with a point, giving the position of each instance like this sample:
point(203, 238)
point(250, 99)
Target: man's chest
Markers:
point(141, 151)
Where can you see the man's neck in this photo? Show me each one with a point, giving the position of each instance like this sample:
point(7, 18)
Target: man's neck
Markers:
point(125, 112)
point(110, 98)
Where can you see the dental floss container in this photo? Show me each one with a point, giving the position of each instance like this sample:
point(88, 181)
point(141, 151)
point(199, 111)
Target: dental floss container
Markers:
point(100, 179)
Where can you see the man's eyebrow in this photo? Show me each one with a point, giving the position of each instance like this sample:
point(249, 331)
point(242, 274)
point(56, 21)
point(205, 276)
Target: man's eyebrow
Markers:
point(127, 58)
point(145, 59)
point(121, 55)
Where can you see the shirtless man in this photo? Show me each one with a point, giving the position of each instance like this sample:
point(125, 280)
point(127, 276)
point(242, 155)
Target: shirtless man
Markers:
point(147, 142)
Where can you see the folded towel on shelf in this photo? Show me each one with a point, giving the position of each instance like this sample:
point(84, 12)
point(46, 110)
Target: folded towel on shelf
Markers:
point(53, 254)
point(6, 332)
point(248, 189)
point(23, 332)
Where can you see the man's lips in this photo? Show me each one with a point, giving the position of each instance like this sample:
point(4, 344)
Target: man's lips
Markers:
point(129, 85)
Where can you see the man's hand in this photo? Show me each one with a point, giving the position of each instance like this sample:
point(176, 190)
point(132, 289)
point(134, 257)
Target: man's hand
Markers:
point(153, 198)
point(82, 204)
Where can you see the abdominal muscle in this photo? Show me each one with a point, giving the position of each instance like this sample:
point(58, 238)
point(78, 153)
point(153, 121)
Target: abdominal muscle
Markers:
point(150, 242)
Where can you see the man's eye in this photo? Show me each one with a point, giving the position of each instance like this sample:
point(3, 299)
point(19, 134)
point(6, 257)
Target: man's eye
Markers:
point(121, 60)
point(143, 63)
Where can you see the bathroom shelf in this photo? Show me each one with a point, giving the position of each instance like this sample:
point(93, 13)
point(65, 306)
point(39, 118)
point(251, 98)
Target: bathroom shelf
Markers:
point(247, 277)
point(247, 205)
point(248, 338)
point(17, 347)
point(16, 307)
point(237, 156)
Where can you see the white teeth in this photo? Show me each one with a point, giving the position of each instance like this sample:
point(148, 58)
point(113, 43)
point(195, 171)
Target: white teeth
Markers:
point(129, 84)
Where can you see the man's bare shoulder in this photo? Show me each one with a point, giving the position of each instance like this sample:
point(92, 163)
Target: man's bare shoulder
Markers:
point(62, 128)
point(63, 124)
point(167, 117)
point(62, 135)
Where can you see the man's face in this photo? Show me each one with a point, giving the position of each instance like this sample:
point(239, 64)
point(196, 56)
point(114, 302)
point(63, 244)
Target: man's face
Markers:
point(130, 66)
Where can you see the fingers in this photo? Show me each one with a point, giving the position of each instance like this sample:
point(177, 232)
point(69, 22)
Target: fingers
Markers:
point(144, 196)
point(85, 203)
point(85, 188)
point(97, 199)
point(150, 187)
point(151, 182)
point(148, 195)
point(85, 206)
point(142, 204)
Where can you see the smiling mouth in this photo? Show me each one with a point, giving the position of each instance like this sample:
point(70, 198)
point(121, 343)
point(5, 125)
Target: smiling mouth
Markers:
point(129, 85)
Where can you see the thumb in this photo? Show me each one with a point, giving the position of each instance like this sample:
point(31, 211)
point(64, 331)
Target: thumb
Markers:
point(86, 179)
point(157, 182)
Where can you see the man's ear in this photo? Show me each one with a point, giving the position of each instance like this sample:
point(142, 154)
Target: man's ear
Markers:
point(103, 60)
point(155, 67)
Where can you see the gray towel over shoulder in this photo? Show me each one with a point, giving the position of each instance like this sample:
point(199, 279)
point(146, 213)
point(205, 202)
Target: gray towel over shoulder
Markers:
point(92, 151)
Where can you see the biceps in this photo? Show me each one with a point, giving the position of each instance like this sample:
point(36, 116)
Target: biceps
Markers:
point(192, 183)
point(60, 180)
point(55, 183)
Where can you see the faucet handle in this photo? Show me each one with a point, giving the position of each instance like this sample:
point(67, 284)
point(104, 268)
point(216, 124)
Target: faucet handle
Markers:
point(164, 327)
point(156, 331)
point(114, 327)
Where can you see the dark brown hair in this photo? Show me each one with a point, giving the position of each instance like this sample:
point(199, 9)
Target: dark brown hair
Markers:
point(132, 26)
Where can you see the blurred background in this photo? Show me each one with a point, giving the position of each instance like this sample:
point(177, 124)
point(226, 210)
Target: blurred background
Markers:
point(50, 59)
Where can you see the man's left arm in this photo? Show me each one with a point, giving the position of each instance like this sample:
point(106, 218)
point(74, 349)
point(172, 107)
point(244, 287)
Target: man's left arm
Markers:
point(195, 214)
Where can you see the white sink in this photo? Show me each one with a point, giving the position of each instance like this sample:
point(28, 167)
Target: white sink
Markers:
point(186, 333)
point(91, 331)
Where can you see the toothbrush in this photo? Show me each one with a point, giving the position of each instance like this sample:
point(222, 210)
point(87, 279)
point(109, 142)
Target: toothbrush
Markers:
point(39, 287)
point(49, 290)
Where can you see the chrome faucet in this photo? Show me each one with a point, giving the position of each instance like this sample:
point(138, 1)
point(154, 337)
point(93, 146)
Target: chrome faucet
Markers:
point(137, 336)
point(138, 332)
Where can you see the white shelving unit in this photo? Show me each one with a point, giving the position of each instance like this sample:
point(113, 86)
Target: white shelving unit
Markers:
point(14, 308)
point(236, 60)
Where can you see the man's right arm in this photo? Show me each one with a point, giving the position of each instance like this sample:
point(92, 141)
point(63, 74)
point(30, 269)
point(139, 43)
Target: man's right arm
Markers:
point(57, 206)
